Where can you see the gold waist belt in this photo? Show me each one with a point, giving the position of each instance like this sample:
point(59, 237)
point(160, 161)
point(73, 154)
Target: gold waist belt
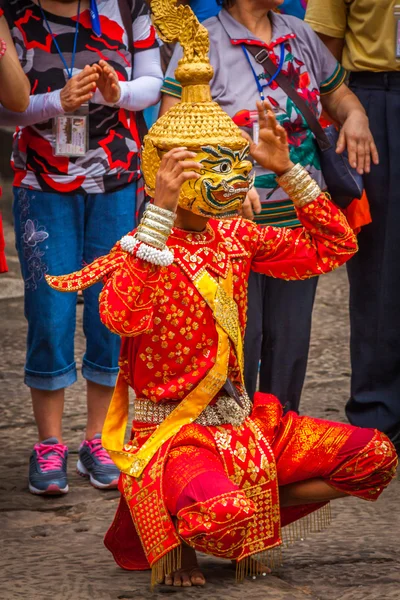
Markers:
point(225, 411)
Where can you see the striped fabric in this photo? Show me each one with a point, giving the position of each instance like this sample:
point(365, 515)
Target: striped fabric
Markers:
point(172, 87)
point(278, 214)
point(334, 81)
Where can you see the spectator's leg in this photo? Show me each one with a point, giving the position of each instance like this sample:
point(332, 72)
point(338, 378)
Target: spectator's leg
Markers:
point(374, 276)
point(286, 338)
point(108, 217)
point(253, 335)
point(48, 231)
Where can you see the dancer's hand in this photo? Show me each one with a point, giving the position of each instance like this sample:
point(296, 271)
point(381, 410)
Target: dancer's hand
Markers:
point(251, 205)
point(177, 166)
point(272, 150)
point(108, 82)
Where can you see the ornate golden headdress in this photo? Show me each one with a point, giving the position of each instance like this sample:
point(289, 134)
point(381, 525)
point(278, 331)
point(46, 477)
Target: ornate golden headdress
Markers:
point(196, 121)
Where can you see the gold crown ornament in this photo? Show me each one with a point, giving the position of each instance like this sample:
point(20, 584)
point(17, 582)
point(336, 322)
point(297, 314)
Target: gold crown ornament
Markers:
point(197, 123)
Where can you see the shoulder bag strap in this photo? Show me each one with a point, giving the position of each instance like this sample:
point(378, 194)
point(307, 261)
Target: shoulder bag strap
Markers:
point(262, 57)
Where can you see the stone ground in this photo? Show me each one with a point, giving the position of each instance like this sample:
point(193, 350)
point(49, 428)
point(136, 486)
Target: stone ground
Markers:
point(52, 548)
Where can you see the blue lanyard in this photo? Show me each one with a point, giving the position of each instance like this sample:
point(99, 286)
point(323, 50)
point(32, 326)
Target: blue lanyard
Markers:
point(71, 69)
point(259, 86)
point(94, 17)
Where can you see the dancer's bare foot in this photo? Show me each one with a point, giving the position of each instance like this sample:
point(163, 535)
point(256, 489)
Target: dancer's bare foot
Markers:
point(189, 574)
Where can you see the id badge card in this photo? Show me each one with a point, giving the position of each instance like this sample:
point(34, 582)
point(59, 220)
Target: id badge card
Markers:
point(72, 133)
point(397, 36)
point(256, 132)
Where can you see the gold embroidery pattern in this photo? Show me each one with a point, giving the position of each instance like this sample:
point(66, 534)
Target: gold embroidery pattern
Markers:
point(218, 526)
point(145, 501)
point(250, 463)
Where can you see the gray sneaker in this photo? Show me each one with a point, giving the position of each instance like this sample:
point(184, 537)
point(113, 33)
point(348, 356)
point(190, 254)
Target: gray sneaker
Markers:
point(95, 463)
point(48, 468)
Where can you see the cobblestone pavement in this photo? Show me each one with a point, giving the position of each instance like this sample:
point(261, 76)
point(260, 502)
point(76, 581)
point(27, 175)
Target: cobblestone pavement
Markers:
point(52, 548)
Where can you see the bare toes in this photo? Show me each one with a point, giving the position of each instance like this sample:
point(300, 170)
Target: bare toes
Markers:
point(177, 579)
point(186, 580)
point(197, 577)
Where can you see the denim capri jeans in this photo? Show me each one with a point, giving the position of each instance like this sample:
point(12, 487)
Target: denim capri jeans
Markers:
point(59, 234)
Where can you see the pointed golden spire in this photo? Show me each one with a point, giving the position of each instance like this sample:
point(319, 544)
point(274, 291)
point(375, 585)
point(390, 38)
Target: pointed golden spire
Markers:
point(179, 24)
point(196, 121)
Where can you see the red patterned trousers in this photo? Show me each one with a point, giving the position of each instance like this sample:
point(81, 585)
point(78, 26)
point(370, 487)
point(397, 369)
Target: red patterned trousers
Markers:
point(213, 514)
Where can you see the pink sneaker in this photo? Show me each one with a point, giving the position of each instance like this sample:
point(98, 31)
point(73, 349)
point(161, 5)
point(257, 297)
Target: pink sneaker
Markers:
point(95, 463)
point(48, 468)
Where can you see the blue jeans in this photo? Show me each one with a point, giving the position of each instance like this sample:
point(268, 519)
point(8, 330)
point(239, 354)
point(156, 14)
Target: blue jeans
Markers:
point(58, 234)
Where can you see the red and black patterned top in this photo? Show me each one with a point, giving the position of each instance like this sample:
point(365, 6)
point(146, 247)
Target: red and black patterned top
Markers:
point(112, 160)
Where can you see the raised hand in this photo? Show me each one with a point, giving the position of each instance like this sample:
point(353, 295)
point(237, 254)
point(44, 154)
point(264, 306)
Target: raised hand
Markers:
point(177, 166)
point(252, 205)
point(272, 150)
point(108, 83)
point(79, 89)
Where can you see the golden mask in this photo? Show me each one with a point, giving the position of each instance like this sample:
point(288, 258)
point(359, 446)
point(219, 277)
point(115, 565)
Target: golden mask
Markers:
point(197, 123)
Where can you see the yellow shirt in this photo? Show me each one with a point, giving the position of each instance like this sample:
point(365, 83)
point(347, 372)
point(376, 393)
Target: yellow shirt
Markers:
point(368, 28)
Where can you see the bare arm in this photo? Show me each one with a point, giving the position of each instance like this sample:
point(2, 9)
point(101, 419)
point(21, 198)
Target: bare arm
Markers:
point(341, 103)
point(14, 85)
point(335, 45)
point(345, 108)
point(167, 102)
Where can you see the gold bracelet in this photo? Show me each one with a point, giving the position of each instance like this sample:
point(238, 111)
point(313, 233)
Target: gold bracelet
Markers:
point(299, 186)
point(296, 170)
point(309, 194)
point(155, 227)
point(167, 221)
point(163, 212)
point(161, 237)
point(152, 224)
point(153, 231)
point(150, 240)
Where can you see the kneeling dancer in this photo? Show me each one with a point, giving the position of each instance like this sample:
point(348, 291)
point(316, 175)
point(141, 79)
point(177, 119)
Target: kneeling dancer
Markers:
point(207, 469)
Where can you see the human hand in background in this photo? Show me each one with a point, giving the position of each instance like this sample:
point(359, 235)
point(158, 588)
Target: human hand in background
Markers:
point(356, 136)
point(108, 82)
point(272, 150)
point(79, 89)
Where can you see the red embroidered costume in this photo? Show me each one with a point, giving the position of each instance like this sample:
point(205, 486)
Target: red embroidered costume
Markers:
point(200, 451)
point(169, 344)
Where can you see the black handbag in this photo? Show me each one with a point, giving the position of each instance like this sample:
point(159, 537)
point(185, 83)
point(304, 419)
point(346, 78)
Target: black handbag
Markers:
point(343, 182)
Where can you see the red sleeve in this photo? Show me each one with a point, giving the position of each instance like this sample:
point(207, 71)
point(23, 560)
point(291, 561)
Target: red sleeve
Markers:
point(127, 299)
point(130, 287)
point(325, 242)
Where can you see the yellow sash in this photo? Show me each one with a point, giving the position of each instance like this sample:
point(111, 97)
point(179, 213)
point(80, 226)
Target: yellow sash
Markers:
point(219, 297)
